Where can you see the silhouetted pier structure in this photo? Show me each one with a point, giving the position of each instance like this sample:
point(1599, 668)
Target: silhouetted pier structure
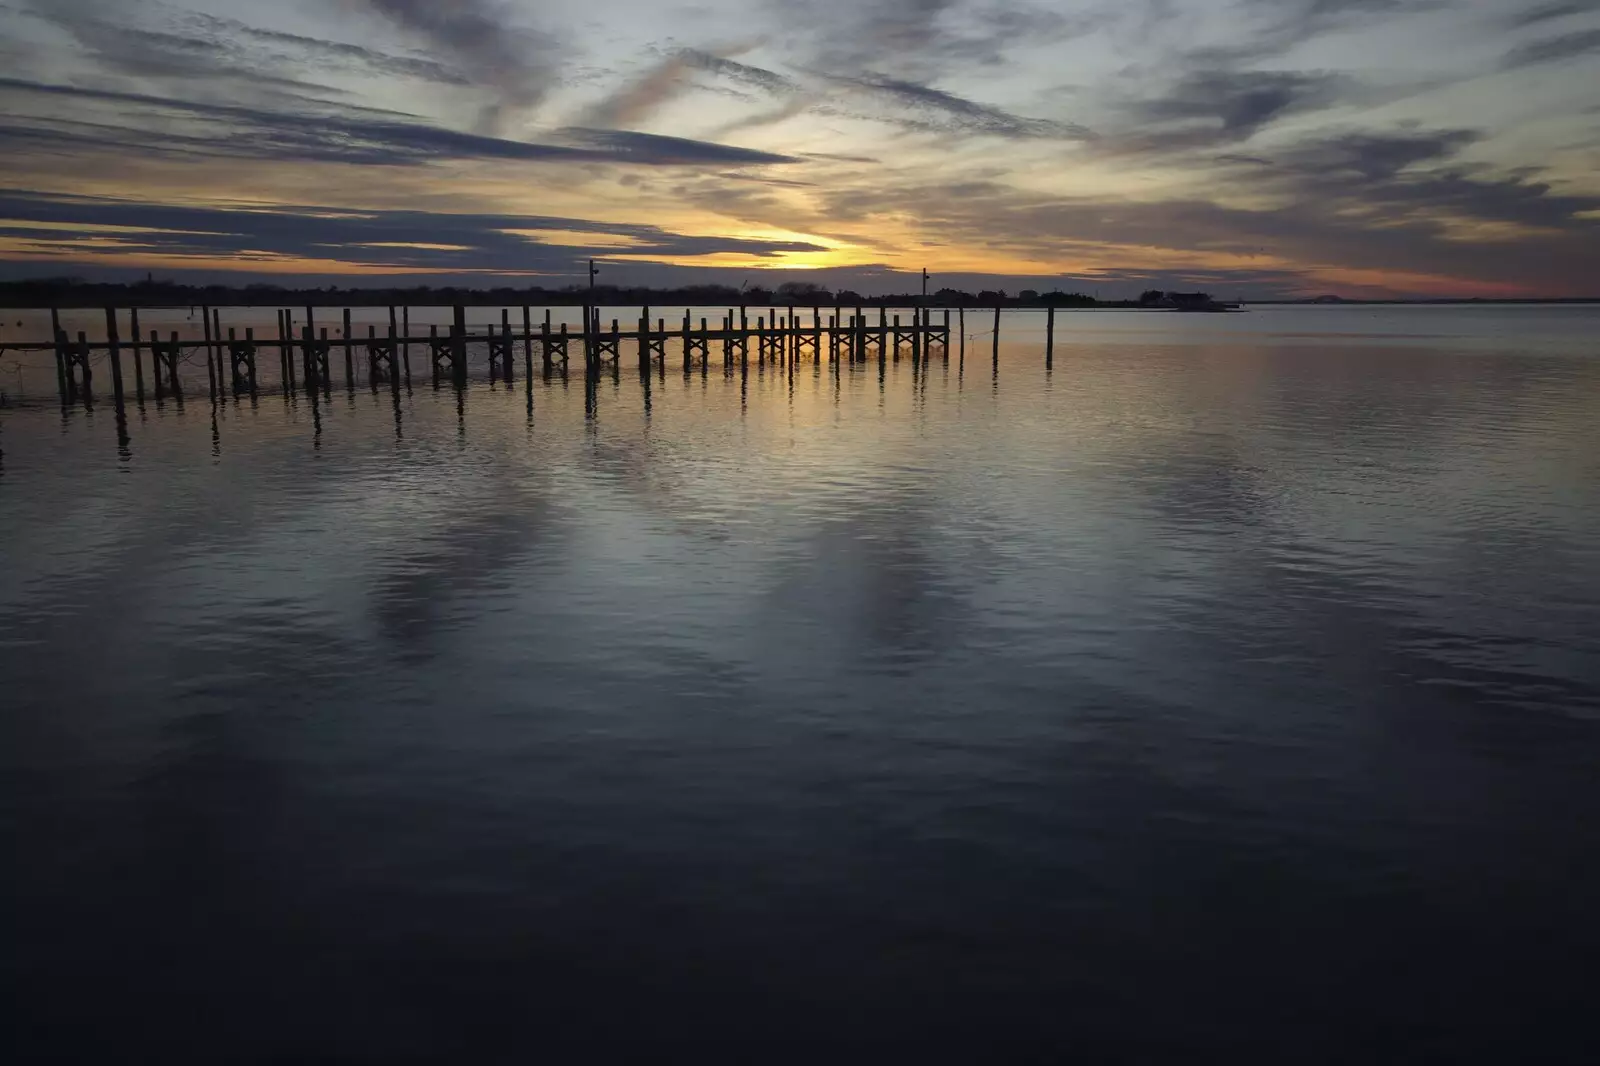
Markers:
point(308, 357)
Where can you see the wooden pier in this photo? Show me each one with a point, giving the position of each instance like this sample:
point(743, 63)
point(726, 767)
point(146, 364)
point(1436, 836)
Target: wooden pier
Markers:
point(310, 359)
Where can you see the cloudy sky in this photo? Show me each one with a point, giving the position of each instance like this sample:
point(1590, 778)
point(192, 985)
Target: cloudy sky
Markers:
point(1363, 147)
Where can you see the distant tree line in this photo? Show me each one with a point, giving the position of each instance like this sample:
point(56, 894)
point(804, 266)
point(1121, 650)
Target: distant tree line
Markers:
point(152, 292)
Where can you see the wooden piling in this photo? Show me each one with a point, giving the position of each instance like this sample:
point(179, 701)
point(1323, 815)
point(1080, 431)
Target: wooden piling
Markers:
point(961, 324)
point(285, 350)
point(394, 352)
point(249, 357)
point(372, 357)
point(588, 339)
point(84, 362)
point(114, 348)
point(211, 366)
point(394, 360)
point(61, 354)
point(1050, 337)
point(308, 363)
point(165, 365)
point(527, 343)
point(506, 348)
point(997, 336)
point(459, 343)
point(138, 360)
point(216, 337)
point(405, 344)
point(349, 354)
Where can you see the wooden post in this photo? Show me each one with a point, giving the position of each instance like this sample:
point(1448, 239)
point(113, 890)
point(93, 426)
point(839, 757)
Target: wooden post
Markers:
point(545, 341)
point(527, 343)
point(459, 343)
point(288, 350)
point(211, 368)
point(285, 355)
point(588, 341)
point(508, 346)
point(216, 337)
point(394, 351)
point(115, 349)
point(394, 361)
point(1050, 337)
point(250, 357)
point(961, 324)
point(505, 343)
point(88, 375)
point(644, 339)
point(349, 355)
point(61, 353)
point(138, 360)
point(997, 336)
point(211, 363)
point(155, 362)
point(405, 343)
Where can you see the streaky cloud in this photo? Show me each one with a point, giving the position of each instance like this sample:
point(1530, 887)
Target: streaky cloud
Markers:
point(244, 132)
point(1554, 49)
point(934, 109)
point(486, 47)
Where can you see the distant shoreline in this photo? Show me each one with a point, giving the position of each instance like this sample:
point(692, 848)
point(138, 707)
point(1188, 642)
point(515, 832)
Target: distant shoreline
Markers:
point(46, 294)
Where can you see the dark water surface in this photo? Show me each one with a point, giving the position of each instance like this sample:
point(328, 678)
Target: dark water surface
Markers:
point(1234, 688)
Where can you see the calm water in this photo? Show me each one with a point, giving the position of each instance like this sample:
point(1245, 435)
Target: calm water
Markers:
point(1234, 687)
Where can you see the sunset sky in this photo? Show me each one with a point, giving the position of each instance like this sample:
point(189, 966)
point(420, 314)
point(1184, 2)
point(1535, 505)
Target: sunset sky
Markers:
point(1250, 147)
